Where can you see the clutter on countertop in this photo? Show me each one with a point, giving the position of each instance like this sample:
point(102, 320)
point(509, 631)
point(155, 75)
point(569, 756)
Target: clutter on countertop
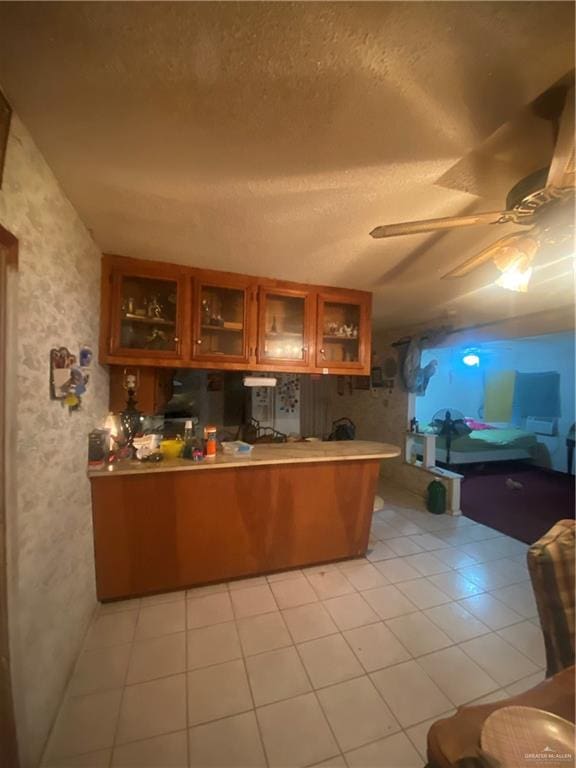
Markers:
point(98, 448)
point(171, 449)
point(192, 448)
point(210, 442)
point(237, 448)
point(343, 429)
point(146, 445)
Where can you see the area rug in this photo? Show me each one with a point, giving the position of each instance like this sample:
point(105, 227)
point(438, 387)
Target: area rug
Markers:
point(524, 512)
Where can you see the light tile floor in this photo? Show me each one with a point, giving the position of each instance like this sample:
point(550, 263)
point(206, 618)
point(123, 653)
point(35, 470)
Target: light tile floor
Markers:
point(340, 665)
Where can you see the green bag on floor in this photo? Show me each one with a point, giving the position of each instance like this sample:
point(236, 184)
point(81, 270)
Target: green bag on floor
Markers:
point(436, 499)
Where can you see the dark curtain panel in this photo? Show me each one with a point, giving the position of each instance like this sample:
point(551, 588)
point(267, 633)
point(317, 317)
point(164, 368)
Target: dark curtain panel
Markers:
point(537, 394)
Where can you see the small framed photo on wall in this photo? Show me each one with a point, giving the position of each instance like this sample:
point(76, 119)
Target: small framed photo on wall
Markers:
point(361, 382)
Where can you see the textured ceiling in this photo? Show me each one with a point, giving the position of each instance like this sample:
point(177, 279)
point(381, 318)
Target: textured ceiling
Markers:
point(270, 138)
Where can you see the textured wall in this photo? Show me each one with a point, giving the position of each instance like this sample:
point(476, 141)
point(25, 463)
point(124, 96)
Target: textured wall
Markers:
point(51, 558)
point(384, 417)
point(378, 415)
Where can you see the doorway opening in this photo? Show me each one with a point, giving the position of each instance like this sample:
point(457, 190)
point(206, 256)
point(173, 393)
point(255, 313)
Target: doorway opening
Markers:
point(8, 740)
point(502, 413)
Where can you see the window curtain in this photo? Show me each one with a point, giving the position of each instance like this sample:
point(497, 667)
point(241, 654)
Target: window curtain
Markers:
point(537, 394)
point(499, 388)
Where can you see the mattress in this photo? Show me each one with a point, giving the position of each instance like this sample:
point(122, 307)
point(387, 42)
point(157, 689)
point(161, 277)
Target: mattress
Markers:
point(490, 440)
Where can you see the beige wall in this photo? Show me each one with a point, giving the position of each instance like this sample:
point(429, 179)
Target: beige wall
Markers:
point(377, 414)
point(54, 301)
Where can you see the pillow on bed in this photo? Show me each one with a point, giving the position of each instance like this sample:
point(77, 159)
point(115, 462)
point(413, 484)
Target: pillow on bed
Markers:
point(477, 425)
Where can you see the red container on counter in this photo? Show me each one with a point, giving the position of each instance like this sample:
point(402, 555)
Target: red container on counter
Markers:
point(210, 441)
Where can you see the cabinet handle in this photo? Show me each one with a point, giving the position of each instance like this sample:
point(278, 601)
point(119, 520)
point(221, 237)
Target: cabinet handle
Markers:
point(198, 341)
point(304, 349)
point(323, 353)
point(176, 339)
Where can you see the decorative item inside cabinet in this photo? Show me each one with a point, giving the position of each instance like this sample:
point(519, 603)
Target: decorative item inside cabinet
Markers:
point(340, 332)
point(148, 313)
point(222, 321)
point(284, 331)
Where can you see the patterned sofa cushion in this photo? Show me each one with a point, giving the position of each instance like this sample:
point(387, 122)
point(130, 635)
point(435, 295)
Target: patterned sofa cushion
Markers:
point(551, 566)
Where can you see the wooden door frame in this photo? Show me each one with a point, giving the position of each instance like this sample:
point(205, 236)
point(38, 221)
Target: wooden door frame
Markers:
point(8, 740)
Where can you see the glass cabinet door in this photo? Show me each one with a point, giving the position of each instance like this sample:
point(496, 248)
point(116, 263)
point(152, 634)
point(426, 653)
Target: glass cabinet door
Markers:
point(148, 316)
point(284, 327)
point(341, 334)
point(221, 323)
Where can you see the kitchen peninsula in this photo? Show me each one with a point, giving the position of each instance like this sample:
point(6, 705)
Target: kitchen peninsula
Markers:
point(169, 526)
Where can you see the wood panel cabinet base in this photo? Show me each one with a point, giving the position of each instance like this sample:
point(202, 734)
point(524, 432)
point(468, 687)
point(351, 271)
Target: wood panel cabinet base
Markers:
point(174, 530)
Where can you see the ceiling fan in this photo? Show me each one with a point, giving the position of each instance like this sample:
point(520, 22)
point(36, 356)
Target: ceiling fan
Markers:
point(548, 210)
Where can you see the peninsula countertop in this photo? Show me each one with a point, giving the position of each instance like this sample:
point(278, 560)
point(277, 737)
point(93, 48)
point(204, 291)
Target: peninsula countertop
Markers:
point(261, 455)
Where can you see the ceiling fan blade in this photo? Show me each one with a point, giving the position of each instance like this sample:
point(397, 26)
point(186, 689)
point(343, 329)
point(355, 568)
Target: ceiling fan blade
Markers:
point(436, 225)
point(562, 169)
point(485, 255)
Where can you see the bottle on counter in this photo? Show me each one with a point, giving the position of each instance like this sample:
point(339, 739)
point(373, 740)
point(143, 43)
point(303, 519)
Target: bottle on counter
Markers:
point(192, 448)
point(209, 441)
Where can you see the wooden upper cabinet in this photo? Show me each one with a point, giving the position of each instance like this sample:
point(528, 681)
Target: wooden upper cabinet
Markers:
point(343, 332)
point(166, 315)
point(148, 309)
point(285, 331)
point(223, 320)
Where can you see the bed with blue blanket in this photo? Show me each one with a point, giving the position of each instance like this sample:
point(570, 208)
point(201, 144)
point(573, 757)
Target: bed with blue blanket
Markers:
point(483, 445)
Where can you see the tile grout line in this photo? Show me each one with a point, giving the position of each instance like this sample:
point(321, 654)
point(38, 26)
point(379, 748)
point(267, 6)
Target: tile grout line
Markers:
point(186, 692)
point(123, 689)
point(143, 738)
point(395, 733)
point(507, 643)
point(266, 757)
point(403, 729)
point(248, 683)
point(65, 694)
point(379, 620)
point(338, 631)
point(319, 703)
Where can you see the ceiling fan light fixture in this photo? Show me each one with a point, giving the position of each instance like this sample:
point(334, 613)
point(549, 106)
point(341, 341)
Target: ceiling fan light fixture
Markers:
point(471, 358)
point(515, 278)
point(515, 263)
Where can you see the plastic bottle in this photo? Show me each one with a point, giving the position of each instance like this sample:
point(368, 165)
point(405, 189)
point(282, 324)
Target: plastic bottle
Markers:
point(192, 445)
point(188, 449)
point(210, 441)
